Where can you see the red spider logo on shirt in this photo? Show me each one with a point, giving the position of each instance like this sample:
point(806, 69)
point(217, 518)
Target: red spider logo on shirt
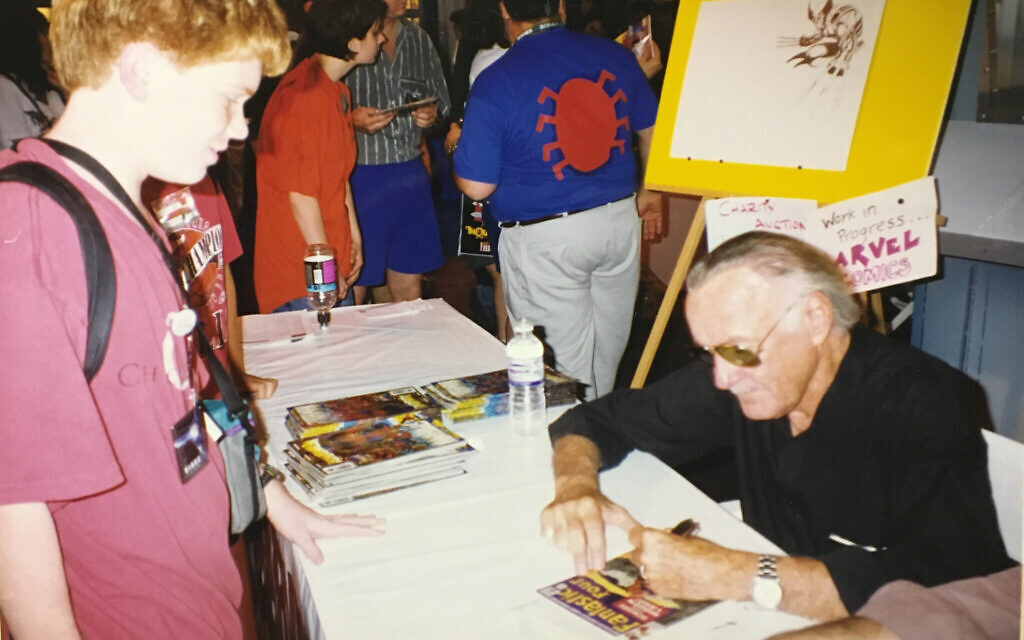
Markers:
point(585, 123)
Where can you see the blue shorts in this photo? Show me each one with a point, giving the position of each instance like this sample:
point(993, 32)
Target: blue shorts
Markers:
point(397, 220)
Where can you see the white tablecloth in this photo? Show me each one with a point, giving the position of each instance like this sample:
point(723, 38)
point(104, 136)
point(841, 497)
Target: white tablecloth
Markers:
point(463, 557)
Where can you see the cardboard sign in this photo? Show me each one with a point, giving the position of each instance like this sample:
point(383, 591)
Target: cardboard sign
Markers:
point(885, 238)
point(729, 217)
point(879, 240)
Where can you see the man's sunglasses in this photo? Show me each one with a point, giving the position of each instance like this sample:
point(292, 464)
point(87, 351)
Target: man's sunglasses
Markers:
point(740, 356)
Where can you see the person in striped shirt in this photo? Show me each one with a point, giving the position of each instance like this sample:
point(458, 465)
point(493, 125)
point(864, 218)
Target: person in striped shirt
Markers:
point(390, 183)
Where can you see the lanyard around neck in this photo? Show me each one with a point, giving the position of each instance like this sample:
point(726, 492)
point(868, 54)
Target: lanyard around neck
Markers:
point(229, 392)
point(98, 171)
point(537, 28)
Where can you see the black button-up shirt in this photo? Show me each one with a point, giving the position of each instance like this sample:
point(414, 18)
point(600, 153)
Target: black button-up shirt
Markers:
point(894, 463)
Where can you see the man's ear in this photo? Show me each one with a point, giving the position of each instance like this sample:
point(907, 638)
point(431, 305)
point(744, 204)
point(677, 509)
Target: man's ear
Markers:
point(504, 11)
point(561, 11)
point(135, 68)
point(820, 316)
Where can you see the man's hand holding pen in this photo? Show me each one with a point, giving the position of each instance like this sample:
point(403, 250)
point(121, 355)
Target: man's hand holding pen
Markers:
point(679, 564)
point(684, 528)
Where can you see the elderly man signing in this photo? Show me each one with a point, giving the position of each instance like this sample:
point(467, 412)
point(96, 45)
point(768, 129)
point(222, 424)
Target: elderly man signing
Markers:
point(856, 454)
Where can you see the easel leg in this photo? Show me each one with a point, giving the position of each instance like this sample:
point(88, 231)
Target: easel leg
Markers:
point(876, 315)
point(675, 284)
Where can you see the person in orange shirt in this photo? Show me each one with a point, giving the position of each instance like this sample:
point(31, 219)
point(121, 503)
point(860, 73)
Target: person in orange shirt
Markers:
point(306, 150)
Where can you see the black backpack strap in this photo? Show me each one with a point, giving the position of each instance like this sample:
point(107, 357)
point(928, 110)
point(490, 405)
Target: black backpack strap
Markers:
point(96, 254)
point(229, 392)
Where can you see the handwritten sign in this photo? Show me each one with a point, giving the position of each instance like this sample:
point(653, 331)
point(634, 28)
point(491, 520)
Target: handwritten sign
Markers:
point(729, 217)
point(881, 239)
point(884, 238)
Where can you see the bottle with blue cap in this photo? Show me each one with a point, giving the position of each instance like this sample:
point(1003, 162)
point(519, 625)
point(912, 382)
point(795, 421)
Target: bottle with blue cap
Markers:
point(526, 403)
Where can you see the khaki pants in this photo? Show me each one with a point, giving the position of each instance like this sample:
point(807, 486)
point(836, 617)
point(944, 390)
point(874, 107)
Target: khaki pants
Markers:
point(577, 277)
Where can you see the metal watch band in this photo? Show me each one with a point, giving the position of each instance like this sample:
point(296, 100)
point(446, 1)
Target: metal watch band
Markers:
point(766, 589)
point(767, 567)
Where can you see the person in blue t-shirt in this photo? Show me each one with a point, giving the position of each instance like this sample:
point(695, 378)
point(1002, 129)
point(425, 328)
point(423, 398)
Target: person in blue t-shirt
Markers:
point(547, 136)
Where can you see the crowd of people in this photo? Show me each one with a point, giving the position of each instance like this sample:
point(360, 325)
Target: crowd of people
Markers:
point(852, 450)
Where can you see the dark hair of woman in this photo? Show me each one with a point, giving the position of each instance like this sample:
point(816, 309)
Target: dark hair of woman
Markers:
point(22, 37)
point(330, 24)
point(484, 26)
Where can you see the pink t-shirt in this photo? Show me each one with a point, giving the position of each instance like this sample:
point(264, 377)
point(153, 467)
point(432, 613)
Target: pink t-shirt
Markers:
point(145, 555)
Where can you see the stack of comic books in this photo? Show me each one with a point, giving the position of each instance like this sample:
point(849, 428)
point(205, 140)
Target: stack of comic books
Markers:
point(617, 600)
point(375, 457)
point(315, 418)
point(485, 395)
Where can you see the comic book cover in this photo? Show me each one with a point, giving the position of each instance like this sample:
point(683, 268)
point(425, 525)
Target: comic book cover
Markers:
point(485, 407)
point(450, 393)
point(473, 237)
point(405, 484)
point(317, 480)
point(384, 443)
point(386, 483)
point(466, 398)
point(370, 459)
point(486, 394)
point(618, 601)
point(315, 418)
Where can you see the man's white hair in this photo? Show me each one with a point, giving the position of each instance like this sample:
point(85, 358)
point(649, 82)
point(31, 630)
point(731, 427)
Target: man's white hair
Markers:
point(778, 258)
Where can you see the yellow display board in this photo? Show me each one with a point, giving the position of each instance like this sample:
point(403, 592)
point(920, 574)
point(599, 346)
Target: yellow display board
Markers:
point(897, 126)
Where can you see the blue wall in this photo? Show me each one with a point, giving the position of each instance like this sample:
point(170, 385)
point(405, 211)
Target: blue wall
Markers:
point(973, 315)
point(973, 318)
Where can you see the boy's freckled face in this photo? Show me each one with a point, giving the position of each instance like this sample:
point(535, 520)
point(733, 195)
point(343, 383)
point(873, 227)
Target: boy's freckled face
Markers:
point(197, 111)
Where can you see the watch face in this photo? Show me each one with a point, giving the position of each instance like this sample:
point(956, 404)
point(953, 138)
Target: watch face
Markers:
point(767, 593)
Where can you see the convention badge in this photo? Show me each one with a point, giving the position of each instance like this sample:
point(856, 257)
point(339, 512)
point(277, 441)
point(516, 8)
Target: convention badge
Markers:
point(189, 438)
point(180, 324)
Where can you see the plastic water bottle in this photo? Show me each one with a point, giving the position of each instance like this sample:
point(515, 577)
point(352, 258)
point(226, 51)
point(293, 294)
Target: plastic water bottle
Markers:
point(527, 409)
point(321, 281)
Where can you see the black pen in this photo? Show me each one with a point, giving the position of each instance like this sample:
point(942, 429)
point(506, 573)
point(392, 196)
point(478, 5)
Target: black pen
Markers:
point(686, 527)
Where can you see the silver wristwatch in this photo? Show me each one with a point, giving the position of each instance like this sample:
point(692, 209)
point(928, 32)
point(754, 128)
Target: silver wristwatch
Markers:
point(766, 590)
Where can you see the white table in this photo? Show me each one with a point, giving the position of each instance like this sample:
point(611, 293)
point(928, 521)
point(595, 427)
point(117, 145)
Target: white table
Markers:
point(463, 557)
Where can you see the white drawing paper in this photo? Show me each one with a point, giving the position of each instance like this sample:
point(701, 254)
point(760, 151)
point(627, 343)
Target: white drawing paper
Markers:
point(776, 82)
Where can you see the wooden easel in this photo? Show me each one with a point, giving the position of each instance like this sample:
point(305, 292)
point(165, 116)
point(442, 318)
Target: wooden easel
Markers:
point(888, 104)
point(675, 284)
